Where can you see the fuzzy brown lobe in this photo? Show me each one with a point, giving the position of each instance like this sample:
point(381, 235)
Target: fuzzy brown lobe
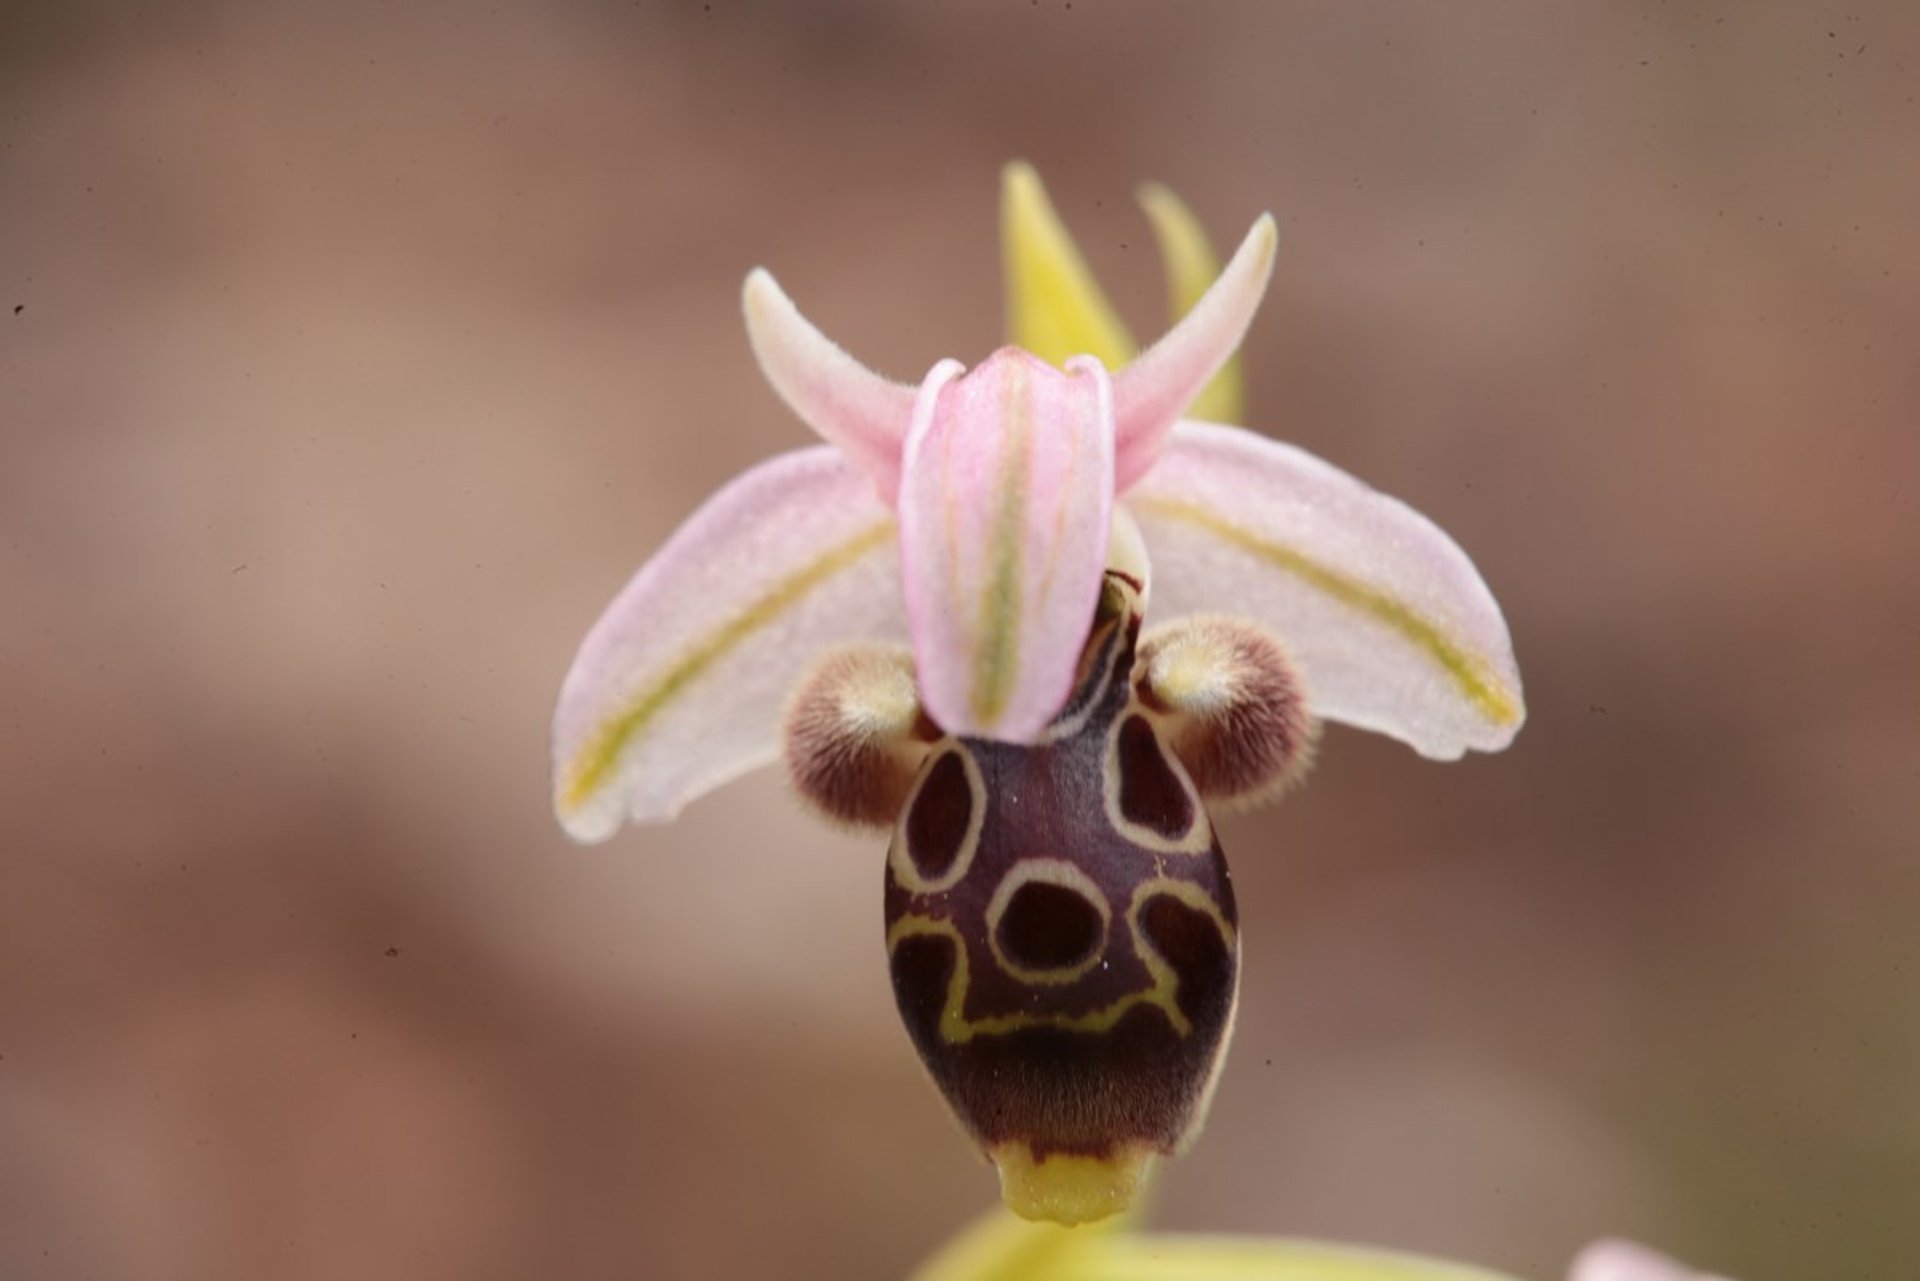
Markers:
point(855, 738)
point(1044, 1016)
point(1244, 733)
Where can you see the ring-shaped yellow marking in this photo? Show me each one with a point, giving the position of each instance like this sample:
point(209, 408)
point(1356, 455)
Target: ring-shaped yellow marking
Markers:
point(1046, 871)
point(1470, 673)
point(593, 763)
point(900, 853)
point(956, 1028)
point(1197, 839)
point(1193, 896)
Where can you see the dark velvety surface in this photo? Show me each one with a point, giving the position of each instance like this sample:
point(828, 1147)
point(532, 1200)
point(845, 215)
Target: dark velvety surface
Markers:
point(352, 356)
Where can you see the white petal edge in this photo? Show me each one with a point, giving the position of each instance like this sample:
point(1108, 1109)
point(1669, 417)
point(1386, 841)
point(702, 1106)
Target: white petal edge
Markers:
point(679, 687)
point(1391, 624)
point(848, 404)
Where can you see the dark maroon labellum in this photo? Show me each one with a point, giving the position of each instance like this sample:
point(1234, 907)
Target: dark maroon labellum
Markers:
point(1063, 941)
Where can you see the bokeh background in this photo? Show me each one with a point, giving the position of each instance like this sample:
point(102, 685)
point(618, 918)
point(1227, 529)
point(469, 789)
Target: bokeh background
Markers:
point(352, 355)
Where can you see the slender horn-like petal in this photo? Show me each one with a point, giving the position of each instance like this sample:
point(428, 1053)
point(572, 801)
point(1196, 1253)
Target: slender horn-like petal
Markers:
point(1152, 392)
point(1192, 266)
point(1055, 307)
point(1388, 620)
point(847, 403)
point(1005, 507)
point(679, 687)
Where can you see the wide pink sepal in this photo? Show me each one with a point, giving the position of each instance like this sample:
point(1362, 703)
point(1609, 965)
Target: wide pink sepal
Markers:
point(679, 686)
point(1386, 617)
point(1006, 501)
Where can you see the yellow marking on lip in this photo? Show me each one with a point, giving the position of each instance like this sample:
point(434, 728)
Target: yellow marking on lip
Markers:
point(595, 759)
point(1468, 670)
point(1197, 839)
point(900, 851)
point(957, 1029)
point(1064, 875)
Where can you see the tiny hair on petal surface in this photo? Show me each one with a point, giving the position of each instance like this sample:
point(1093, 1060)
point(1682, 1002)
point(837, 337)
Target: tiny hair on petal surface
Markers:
point(1235, 707)
point(1030, 619)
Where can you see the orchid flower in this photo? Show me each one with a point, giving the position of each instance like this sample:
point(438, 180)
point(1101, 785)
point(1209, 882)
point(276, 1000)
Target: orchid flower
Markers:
point(1000, 1247)
point(936, 618)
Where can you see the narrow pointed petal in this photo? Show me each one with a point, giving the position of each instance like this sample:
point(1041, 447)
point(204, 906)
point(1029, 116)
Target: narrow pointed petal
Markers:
point(840, 398)
point(1005, 508)
point(1388, 620)
point(1055, 308)
point(1154, 391)
point(1192, 266)
point(680, 685)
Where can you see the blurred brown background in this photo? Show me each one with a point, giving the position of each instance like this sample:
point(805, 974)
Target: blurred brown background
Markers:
point(353, 354)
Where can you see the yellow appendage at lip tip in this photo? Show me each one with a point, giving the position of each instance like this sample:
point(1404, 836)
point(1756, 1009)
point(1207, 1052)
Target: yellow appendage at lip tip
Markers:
point(1468, 671)
point(594, 762)
point(1070, 1188)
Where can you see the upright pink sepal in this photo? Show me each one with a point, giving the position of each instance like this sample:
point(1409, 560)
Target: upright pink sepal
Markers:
point(1006, 499)
point(1150, 394)
point(847, 403)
